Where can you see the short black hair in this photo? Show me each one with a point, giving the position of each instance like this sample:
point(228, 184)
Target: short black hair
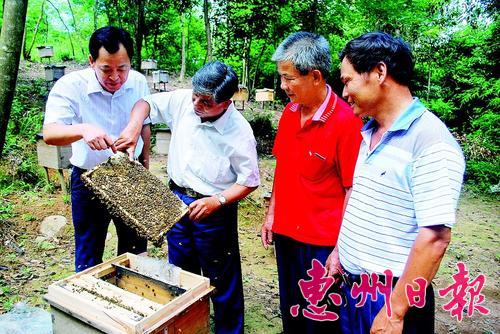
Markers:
point(110, 39)
point(368, 50)
point(216, 79)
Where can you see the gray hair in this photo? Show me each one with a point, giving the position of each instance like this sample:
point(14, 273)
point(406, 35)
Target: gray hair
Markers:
point(307, 52)
point(215, 79)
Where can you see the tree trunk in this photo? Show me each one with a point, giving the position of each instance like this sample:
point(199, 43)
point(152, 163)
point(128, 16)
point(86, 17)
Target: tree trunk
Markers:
point(139, 34)
point(246, 61)
point(183, 48)
point(208, 32)
point(11, 37)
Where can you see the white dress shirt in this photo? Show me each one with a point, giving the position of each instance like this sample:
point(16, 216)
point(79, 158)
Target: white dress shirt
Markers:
point(79, 98)
point(207, 157)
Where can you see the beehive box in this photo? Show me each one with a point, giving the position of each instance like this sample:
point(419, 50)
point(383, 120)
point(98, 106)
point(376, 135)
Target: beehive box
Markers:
point(241, 94)
point(132, 193)
point(149, 64)
point(117, 297)
point(265, 94)
point(50, 156)
point(163, 137)
point(160, 76)
point(53, 72)
point(45, 51)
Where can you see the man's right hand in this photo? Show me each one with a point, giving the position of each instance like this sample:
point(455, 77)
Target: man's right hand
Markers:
point(128, 140)
point(266, 233)
point(97, 138)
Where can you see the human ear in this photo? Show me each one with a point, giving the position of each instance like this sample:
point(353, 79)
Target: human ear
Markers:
point(317, 75)
point(381, 71)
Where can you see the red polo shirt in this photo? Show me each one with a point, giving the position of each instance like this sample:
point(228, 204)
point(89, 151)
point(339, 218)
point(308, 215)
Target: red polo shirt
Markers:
point(314, 164)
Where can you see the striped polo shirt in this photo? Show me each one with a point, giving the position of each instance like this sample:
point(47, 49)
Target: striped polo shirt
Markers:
point(411, 178)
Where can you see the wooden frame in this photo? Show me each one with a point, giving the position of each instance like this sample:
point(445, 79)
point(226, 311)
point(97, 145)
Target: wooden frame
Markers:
point(135, 305)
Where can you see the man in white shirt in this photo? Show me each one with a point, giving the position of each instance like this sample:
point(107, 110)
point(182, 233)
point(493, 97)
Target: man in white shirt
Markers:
point(212, 164)
point(88, 109)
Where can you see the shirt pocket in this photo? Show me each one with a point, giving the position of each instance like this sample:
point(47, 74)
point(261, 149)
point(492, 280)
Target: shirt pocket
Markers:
point(210, 167)
point(314, 166)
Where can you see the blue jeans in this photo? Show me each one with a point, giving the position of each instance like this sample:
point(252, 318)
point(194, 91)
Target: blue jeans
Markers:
point(91, 221)
point(358, 320)
point(210, 246)
point(294, 258)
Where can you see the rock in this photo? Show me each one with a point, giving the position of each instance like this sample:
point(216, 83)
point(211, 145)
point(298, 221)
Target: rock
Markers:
point(51, 225)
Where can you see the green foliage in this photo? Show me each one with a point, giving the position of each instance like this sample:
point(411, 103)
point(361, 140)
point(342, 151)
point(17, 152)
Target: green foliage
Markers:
point(455, 46)
point(19, 166)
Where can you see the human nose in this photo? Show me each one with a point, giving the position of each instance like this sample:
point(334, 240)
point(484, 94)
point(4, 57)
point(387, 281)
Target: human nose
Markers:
point(114, 76)
point(345, 94)
point(283, 85)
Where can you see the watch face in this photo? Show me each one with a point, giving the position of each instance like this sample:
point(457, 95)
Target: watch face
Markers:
point(222, 199)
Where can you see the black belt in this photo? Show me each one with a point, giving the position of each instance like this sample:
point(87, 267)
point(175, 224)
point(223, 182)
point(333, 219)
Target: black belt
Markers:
point(186, 191)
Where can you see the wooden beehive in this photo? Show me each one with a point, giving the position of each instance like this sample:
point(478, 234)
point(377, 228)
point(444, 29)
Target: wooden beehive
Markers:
point(53, 72)
point(162, 145)
point(265, 94)
point(132, 193)
point(116, 297)
point(149, 64)
point(50, 156)
point(241, 94)
point(160, 76)
point(45, 51)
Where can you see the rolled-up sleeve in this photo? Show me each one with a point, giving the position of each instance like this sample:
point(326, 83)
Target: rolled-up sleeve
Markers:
point(245, 164)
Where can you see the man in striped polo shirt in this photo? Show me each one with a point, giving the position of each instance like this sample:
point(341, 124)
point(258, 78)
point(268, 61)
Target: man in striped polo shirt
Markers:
point(406, 186)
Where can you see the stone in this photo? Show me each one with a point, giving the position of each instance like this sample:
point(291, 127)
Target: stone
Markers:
point(51, 225)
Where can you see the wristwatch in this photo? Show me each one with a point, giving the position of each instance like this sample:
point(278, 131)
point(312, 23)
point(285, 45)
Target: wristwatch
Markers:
point(222, 199)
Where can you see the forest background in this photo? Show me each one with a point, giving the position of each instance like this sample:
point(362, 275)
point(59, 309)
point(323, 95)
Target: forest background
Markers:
point(455, 43)
point(456, 48)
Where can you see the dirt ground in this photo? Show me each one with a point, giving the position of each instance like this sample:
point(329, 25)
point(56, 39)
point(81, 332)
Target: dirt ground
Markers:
point(25, 277)
point(28, 265)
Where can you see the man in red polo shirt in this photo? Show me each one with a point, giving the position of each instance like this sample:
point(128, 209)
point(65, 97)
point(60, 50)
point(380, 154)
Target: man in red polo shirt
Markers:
point(316, 148)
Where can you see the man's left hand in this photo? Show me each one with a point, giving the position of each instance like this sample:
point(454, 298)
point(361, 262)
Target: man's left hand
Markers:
point(383, 324)
point(203, 207)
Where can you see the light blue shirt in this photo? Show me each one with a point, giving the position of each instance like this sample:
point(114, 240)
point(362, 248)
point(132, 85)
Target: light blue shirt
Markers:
point(410, 179)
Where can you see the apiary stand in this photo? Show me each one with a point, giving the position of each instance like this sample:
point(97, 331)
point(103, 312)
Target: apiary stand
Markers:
point(97, 300)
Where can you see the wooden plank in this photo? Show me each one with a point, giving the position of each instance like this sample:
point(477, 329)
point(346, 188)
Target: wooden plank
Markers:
point(88, 310)
point(173, 308)
point(145, 288)
point(127, 300)
point(193, 320)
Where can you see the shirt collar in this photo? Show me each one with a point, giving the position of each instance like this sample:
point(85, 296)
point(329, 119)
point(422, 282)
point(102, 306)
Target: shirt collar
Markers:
point(405, 119)
point(322, 113)
point(220, 123)
point(317, 115)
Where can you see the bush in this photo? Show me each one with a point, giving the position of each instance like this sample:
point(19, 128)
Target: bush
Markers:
point(19, 165)
point(482, 160)
point(483, 175)
point(264, 130)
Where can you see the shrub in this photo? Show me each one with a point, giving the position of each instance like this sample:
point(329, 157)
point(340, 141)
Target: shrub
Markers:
point(264, 130)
